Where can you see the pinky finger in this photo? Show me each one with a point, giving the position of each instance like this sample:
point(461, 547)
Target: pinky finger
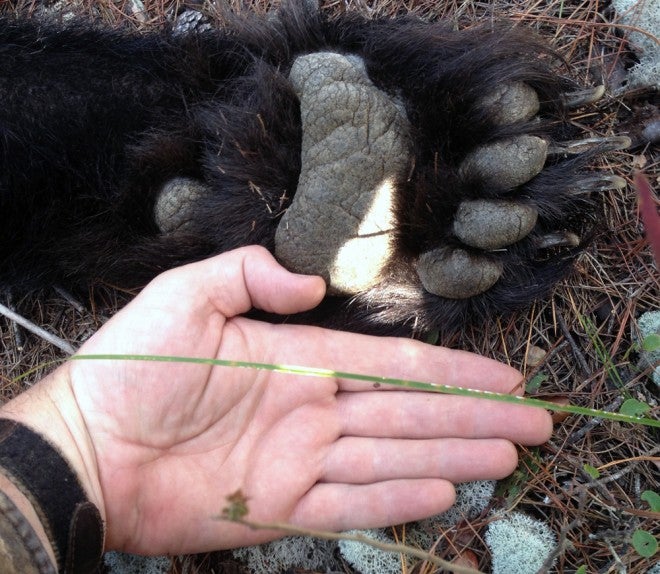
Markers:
point(340, 507)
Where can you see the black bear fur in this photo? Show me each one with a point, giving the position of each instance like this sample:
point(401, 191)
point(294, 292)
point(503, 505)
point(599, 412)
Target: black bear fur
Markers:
point(93, 121)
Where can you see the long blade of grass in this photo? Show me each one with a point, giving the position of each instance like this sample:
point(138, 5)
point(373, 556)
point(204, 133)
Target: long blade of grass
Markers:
point(377, 380)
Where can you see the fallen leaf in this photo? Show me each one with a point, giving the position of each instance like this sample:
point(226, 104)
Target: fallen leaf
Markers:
point(559, 416)
point(649, 211)
point(535, 355)
point(467, 559)
point(639, 161)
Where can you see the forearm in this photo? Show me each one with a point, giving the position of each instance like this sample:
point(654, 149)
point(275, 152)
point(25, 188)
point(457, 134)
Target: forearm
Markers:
point(48, 473)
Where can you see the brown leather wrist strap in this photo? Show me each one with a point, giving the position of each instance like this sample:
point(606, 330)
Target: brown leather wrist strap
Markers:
point(72, 523)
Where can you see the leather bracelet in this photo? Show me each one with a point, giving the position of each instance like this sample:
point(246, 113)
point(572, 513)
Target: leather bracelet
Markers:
point(72, 523)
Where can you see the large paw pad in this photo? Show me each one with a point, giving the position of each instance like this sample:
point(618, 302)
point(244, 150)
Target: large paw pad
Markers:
point(354, 147)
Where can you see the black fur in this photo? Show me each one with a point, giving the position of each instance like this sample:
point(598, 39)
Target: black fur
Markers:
point(94, 121)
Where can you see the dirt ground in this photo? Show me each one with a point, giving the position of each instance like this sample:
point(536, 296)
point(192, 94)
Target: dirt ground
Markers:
point(582, 345)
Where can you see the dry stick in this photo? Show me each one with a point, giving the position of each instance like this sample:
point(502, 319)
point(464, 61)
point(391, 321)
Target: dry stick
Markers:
point(576, 350)
point(593, 422)
point(23, 322)
point(18, 334)
point(327, 535)
point(70, 299)
point(562, 542)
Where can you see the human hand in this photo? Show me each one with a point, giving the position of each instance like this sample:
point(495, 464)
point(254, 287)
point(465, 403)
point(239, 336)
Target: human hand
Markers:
point(159, 446)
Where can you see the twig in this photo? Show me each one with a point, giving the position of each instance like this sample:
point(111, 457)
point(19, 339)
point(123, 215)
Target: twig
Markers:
point(574, 347)
point(18, 334)
point(77, 305)
point(591, 423)
point(327, 535)
point(23, 322)
point(562, 542)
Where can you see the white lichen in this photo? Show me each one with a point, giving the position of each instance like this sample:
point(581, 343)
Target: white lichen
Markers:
point(293, 552)
point(367, 559)
point(644, 15)
point(472, 498)
point(519, 544)
point(121, 563)
point(649, 324)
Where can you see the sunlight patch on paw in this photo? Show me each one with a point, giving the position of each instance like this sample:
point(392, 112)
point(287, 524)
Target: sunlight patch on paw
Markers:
point(355, 145)
point(360, 260)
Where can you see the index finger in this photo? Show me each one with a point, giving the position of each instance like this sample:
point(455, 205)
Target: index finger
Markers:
point(389, 357)
point(407, 359)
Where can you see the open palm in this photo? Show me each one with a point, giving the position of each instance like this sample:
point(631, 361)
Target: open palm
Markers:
point(173, 440)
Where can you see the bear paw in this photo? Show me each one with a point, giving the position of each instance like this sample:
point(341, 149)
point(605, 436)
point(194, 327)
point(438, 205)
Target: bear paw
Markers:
point(342, 224)
point(431, 195)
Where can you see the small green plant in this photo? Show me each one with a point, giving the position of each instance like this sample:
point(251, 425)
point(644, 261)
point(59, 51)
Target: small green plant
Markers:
point(603, 354)
point(644, 543)
point(510, 488)
point(651, 343)
point(653, 499)
point(535, 383)
point(634, 408)
point(593, 472)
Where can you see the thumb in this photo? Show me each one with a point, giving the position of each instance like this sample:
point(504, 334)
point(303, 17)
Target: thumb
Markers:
point(250, 277)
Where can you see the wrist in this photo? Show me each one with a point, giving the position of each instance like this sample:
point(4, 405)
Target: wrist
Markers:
point(48, 465)
point(50, 409)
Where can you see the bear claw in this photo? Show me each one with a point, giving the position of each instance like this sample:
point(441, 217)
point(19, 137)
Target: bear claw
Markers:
point(583, 97)
point(558, 239)
point(600, 182)
point(602, 144)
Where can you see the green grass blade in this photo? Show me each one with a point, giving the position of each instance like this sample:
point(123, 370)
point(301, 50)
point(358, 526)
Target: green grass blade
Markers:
point(377, 380)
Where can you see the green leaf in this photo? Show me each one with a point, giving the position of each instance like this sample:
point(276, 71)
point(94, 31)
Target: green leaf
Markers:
point(653, 498)
point(581, 570)
point(651, 343)
point(593, 472)
point(634, 408)
point(645, 543)
point(536, 381)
